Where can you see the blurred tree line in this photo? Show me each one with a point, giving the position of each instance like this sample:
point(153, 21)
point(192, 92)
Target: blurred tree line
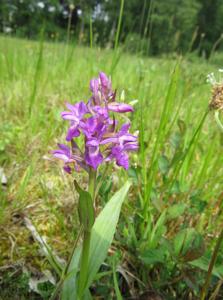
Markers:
point(148, 26)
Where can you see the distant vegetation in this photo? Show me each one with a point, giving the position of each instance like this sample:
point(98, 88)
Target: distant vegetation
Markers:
point(151, 27)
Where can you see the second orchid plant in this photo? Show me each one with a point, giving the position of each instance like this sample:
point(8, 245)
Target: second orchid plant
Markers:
point(105, 139)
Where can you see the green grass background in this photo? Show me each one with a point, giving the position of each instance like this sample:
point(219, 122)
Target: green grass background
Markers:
point(36, 78)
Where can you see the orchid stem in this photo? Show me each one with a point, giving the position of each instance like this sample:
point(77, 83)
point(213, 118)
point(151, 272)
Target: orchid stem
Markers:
point(86, 241)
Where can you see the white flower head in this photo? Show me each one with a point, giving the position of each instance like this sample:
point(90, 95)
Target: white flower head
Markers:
point(52, 9)
point(79, 12)
point(41, 5)
point(211, 78)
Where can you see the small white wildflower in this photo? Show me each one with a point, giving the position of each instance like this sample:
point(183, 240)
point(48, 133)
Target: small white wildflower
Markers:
point(7, 29)
point(211, 79)
point(65, 13)
point(106, 18)
point(51, 9)
point(79, 12)
point(41, 5)
point(220, 70)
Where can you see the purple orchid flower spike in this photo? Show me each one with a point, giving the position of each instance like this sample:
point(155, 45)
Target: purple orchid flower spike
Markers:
point(75, 116)
point(103, 141)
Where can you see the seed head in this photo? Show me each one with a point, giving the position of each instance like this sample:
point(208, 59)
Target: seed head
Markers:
point(216, 102)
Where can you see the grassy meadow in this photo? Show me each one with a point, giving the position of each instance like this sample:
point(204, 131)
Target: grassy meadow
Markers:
point(173, 213)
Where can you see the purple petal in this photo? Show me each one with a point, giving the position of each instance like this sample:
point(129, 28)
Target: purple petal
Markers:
point(70, 107)
point(93, 157)
point(66, 115)
point(63, 147)
point(63, 153)
point(94, 85)
point(60, 155)
point(67, 169)
point(124, 129)
point(105, 82)
point(101, 111)
point(72, 132)
point(110, 140)
point(92, 142)
point(76, 112)
point(127, 138)
point(82, 109)
point(123, 161)
point(120, 156)
point(131, 146)
point(120, 107)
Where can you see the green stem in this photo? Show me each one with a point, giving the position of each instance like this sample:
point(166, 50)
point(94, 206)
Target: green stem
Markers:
point(84, 263)
point(211, 266)
point(63, 276)
point(86, 241)
point(92, 183)
point(119, 24)
point(217, 119)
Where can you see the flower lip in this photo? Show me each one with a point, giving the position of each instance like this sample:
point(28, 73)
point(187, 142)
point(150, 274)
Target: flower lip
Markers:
point(93, 156)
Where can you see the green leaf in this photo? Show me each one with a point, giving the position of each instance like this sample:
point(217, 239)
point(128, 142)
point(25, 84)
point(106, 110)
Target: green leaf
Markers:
point(85, 208)
point(153, 256)
point(176, 189)
point(134, 173)
point(117, 290)
point(175, 140)
point(69, 290)
point(176, 210)
point(203, 264)
point(189, 244)
point(102, 235)
point(164, 164)
point(103, 232)
point(182, 126)
point(158, 230)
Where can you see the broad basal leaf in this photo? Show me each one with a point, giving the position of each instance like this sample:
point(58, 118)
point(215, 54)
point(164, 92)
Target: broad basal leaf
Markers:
point(101, 238)
point(103, 231)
